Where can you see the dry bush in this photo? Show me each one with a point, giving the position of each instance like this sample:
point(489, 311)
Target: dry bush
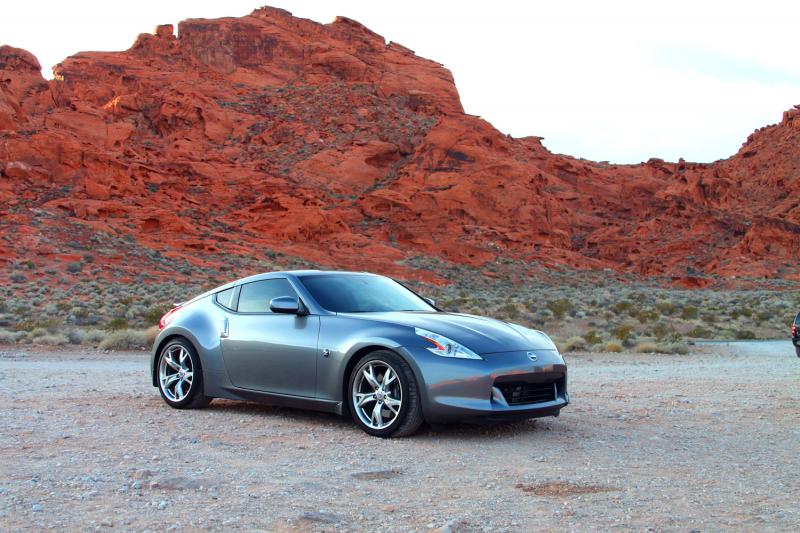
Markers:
point(125, 339)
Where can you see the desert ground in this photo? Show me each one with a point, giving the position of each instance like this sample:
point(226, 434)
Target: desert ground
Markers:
point(703, 442)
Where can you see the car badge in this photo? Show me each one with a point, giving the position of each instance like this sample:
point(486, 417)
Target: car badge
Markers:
point(532, 356)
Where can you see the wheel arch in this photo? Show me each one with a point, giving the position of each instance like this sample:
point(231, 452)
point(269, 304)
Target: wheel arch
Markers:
point(160, 346)
point(357, 354)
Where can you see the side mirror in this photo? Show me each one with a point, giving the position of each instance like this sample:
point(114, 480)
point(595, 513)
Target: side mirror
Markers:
point(430, 300)
point(286, 305)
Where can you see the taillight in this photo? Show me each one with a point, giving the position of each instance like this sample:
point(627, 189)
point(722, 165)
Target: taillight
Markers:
point(794, 330)
point(168, 317)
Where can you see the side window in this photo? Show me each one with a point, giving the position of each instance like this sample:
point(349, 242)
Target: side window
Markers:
point(225, 298)
point(255, 297)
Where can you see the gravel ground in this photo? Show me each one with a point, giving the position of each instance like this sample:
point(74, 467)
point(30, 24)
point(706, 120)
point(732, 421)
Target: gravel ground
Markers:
point(704, 442)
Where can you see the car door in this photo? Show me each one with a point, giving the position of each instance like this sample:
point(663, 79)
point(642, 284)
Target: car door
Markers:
point(266, 351)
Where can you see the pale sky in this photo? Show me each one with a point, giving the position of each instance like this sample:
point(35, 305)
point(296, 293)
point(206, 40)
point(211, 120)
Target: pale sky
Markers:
point(604, 80)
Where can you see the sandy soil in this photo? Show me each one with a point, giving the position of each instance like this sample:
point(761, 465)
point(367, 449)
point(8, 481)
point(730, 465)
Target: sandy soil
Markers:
point(704, 442)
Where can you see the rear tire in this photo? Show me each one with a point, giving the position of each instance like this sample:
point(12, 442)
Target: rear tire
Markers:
point(383, 395)
point(180, 376)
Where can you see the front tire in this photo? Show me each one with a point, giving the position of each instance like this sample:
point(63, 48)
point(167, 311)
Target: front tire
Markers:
point(180, 377)
point(384, 396)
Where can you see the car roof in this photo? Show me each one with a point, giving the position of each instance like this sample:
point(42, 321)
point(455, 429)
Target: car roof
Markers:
point(271, 275)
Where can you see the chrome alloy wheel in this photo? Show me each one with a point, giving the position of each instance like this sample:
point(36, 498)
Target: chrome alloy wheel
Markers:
point(377, 394)
point(175, 373)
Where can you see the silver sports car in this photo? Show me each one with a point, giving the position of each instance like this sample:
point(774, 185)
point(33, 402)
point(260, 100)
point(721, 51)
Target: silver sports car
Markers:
point(357, 343)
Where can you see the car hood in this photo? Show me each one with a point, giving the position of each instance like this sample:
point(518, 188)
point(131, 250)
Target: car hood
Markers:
point(480, 334)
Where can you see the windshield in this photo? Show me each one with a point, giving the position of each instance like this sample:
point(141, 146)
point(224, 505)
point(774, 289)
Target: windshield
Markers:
point(354, 293)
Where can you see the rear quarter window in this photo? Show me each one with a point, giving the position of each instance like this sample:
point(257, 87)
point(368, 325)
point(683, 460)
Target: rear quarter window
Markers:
point(225, 298)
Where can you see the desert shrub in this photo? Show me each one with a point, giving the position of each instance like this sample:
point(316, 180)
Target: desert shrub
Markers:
point(53, 340)
point(35, 333)
point(709, 318)
point(741, 311)
point(150, 335)
point(645, 347)
point(559, 307)
point(117, 324)
point(10, 337)
point(613, 346)
point(575, 344)
point(93, 336)
point(622, 332)
point(75, 336)
point(125, 339)
point(689, 312)
point(510, 310)
point(673, 348)
point(47, 324)
point(593, 337)
point(744, 334)
point(645, 316)
point(670, 348)
point(699, 332)
point(661, 330)
point(74, 267)
point(622, 307)
point(666, 307)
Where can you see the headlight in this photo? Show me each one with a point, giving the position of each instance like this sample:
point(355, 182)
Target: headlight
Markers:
point(445, 347)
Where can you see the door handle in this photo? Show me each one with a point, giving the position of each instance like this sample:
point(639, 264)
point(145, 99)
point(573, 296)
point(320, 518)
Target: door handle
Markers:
point(225, 328)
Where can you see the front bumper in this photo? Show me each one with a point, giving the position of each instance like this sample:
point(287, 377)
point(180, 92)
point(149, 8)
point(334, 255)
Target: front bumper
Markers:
point(467, 390)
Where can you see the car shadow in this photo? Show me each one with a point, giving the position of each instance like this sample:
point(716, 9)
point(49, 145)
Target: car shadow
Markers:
point(460, 431)
point(285, 413)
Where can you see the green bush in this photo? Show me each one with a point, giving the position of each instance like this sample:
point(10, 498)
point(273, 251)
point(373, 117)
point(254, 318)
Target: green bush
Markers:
point(154, 314)
point(593, 337)
point(36, 333)
point(510, 310)
point(117, 324)
point(666, 307)
point(622, 332)
point(559, 307)
point(662, 330)
point(646, 316)
point(689, 312)
point(622, 307)
point(744, 334)
point(699, 332)
point(741, 311)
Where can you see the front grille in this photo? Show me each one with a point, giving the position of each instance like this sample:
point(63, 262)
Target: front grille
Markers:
point(526, 393)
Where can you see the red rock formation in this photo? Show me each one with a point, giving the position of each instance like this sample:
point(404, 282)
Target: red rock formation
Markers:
point(268, 132)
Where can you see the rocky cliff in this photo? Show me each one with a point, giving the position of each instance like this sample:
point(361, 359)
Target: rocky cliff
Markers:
point(269, 134)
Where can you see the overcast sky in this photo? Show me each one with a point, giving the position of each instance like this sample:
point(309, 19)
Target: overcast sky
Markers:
point(618, 81)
